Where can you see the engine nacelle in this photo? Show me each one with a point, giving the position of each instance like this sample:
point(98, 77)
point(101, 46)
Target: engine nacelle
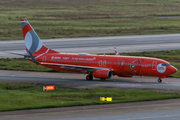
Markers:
point(103, 73)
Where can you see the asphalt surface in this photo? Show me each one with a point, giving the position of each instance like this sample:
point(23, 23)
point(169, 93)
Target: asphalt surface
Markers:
point(94, 45)
point(78, 81)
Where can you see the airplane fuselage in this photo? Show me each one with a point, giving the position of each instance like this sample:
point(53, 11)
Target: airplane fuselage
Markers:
point(121, 65)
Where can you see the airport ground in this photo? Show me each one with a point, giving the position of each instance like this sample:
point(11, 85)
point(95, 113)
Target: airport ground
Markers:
point(78, 81)
point(66, 80)
point(97, 19)
point(153, 110)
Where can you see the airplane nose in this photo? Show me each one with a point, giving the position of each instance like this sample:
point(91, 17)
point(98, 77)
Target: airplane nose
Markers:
point(172, 70)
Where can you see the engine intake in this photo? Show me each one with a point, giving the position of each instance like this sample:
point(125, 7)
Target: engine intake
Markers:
point(103, 73)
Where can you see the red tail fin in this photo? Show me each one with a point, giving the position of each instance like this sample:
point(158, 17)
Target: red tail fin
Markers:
point(32, 41)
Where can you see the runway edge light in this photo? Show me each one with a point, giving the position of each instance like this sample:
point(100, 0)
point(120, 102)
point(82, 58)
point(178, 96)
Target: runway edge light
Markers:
point(105, 98)
point(48, 88)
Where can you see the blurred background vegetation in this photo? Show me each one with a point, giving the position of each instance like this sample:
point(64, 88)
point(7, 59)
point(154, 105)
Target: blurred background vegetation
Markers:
point(82, 18)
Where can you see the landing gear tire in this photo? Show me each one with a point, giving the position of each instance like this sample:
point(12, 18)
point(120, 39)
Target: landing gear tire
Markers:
point(159, 80)
point(89, 77)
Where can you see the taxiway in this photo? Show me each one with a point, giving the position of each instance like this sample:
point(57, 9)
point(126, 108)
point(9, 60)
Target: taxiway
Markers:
point(78, 81)
point(94, 45)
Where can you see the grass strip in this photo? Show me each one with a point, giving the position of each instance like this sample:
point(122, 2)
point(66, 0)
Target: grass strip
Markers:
point(22, 96)
point(82, 18)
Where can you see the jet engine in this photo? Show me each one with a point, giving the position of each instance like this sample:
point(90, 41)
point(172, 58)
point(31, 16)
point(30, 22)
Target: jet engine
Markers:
point(103, 73)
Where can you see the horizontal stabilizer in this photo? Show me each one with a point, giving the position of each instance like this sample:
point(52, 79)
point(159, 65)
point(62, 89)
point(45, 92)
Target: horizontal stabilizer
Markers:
point(25, 54)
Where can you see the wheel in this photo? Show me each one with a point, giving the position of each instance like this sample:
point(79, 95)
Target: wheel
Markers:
point(159, 80)
point(89, 77)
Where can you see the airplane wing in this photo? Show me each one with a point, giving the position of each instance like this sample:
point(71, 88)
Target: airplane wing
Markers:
point(24, 55)
point(76, 67)
point(28, 54)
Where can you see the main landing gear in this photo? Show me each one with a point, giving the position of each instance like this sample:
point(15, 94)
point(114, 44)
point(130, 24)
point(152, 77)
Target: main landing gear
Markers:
point(89, 77)
point(159, 80)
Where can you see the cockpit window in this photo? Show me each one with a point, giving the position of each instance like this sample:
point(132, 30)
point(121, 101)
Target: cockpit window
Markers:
point(166, 65)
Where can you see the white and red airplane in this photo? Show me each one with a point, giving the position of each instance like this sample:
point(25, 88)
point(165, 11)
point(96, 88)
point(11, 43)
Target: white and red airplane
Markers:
point(98, 66)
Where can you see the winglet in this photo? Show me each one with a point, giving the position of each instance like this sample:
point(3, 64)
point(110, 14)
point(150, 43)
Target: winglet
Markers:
point(116, 52)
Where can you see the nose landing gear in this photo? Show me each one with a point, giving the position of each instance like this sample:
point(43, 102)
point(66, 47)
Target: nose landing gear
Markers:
point(159, 80)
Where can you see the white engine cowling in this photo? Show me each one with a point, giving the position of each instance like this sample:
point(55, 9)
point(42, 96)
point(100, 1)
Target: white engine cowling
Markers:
point(103, 73)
